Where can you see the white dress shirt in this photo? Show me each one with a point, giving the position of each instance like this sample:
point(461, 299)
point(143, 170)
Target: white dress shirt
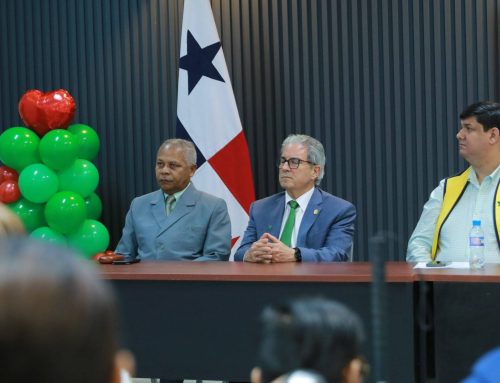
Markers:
point(303, 201)
point(476, 203)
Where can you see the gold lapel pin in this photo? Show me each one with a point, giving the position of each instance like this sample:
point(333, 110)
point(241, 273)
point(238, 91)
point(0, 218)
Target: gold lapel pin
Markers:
point(316, 212)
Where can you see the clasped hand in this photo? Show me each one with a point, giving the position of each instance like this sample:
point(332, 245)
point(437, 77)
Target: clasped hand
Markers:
point(269, 249)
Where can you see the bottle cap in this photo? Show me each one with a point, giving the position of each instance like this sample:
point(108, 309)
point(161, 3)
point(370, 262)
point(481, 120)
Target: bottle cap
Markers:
point(476, 222)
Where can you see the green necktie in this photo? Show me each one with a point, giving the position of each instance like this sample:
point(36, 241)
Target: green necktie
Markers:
point(286, 235)
point(169, 204)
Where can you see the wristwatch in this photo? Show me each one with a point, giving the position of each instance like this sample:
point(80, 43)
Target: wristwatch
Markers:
point(298, 256)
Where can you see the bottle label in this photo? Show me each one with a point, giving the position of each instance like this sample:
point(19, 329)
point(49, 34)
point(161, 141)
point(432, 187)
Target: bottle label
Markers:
point(476, 241)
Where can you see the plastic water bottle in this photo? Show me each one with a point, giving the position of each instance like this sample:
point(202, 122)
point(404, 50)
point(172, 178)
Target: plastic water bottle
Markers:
point(476, 246)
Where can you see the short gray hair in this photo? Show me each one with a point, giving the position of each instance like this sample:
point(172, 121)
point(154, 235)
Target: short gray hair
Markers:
point(315, 151)
point(186, 146)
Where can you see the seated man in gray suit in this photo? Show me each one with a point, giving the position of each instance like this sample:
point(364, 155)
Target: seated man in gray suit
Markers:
point(177, 222)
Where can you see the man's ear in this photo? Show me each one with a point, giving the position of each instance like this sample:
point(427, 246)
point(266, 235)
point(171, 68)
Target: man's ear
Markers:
point(192, 169)
point(256, 375)
point(317, 170)
point(494, 135)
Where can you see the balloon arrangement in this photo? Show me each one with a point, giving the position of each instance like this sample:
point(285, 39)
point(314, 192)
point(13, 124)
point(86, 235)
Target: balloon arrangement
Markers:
point(48, 178)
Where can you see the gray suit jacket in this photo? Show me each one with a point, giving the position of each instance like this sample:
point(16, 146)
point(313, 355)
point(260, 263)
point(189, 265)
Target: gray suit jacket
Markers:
point(198, 229)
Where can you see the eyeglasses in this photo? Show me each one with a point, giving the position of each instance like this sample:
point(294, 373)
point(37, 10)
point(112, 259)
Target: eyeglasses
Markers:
point(293, 163)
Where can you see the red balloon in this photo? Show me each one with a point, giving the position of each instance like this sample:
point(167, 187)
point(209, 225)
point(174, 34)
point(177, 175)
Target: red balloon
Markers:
point(8, 174)
point(43, 112)
point(9, 191)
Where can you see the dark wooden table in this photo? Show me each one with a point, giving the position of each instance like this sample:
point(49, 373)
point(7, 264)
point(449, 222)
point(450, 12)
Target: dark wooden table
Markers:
point(201, 320)
point(465, 317)
point(490, 274)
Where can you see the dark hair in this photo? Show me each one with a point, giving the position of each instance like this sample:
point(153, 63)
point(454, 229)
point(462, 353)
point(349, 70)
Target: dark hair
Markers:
point(315, 334)
point(487, 113)
point(57, 319)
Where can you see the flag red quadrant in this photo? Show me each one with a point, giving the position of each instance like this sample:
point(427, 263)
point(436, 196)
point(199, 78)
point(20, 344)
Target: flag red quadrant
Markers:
point(237, 175)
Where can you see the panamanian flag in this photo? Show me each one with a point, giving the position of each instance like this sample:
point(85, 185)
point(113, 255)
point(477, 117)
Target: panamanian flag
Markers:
point(207, 115)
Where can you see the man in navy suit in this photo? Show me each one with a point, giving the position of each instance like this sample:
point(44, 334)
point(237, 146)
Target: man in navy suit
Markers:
point(303, 223)
point(177, 222)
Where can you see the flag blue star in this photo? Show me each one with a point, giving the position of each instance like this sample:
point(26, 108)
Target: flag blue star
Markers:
point(198, 61)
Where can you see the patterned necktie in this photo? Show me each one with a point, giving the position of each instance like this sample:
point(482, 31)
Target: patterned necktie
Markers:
point(169, 203)
point(286, 235)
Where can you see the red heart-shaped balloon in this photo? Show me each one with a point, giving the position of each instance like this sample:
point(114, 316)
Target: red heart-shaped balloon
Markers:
point(43, 112)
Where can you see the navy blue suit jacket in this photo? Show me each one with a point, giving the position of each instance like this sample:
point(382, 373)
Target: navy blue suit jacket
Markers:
point(325, 233)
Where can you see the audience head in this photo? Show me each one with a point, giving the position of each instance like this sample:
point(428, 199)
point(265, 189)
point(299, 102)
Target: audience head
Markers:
point(175, 165)
point(10, 223)
point(486, 369)
point(313, 334)
point(57, 318)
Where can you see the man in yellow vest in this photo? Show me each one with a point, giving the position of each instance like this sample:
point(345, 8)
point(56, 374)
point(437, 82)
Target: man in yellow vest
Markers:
point(443, 229)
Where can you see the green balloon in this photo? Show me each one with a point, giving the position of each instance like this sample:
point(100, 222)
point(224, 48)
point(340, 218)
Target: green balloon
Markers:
point(38, 183)
point(88, 141)
point(82, 177)
point(19, 147)
point(30, 213)
point(47, 234)
point(58, 149)
point(94, 206)
point(65, 211)
point(91, 238)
